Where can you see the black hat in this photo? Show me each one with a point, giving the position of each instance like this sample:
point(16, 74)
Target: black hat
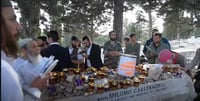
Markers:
point(74, 38)
point(5, 3)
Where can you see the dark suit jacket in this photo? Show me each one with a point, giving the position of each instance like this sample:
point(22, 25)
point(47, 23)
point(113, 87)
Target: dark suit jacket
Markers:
point(60, 53)
point(95, 56)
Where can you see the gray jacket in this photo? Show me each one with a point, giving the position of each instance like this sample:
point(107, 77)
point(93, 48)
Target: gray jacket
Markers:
point(155, 50)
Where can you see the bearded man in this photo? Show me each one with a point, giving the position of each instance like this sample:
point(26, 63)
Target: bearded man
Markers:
point(29, 58)
point(10, 80)
point(155, 47)
point(27, 61)
point(74, 51)
point(112, 50)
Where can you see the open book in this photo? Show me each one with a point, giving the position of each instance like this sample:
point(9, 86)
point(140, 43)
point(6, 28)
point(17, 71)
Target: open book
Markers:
point(48, 68)
point(45, 66)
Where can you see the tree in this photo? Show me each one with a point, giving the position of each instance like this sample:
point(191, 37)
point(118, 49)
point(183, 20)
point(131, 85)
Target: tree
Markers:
point(101, 39)
point(149, 6)
point(117, 7)
point(134, 28)
point(56, 10)
point(71, 16)
point(30, 12)
point(177, 27)
point(89, 14)
point(174, 11)
point(118, 18)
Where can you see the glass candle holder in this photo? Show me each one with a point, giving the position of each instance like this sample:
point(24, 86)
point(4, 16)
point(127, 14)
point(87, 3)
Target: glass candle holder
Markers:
point(100, 89)
point(91, 87)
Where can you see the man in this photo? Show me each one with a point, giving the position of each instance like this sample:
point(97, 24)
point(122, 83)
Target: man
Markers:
point(25, 64)
point(168, 56)
point(155, 47)
point(42, 42)
point(164, 40)
point(74, 51)
point(29, 58)
point(133, 47)
point(60, 53)
point(126, 40)
point(93, 53)
point(11, 89)
point(112, 51)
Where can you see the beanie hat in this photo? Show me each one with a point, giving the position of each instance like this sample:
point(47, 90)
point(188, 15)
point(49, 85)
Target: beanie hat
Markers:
point(164, 55)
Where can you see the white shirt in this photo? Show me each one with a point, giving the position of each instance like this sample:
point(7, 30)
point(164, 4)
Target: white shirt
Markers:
point(54, 43)
point(24, 68)
point(79, 55)
point(18, 63)
point(11, 89)
point(88, 53)
point(9, 60)
point(30, 94)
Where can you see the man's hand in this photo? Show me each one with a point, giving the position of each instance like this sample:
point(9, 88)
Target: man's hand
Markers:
point(85, 55)
point(151, 55)
point(39, 82)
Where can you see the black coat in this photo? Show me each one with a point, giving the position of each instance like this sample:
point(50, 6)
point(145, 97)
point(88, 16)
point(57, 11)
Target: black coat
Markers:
point(60, 53)
point(95, 56)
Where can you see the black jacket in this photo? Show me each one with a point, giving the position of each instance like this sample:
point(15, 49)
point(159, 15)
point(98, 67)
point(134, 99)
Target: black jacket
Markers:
point(95, 56)
point(60, 53)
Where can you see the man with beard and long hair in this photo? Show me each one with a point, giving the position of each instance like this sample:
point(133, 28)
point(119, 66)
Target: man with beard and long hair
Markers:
point(112, 50)
point(11, 89)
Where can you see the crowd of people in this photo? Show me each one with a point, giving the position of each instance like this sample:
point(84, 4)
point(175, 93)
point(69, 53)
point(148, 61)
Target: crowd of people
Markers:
point(18, 58)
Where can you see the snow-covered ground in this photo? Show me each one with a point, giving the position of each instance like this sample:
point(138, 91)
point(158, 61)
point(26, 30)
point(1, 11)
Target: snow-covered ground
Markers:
point(186, 47)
